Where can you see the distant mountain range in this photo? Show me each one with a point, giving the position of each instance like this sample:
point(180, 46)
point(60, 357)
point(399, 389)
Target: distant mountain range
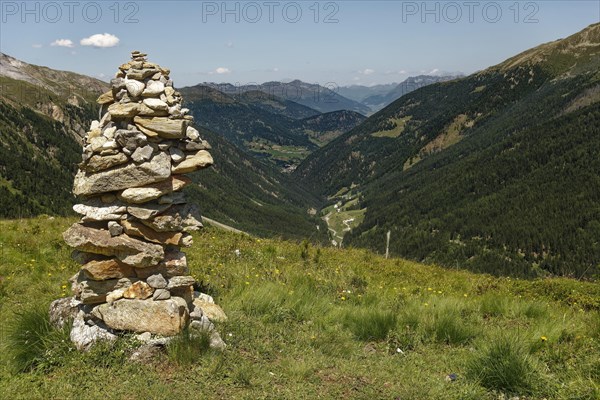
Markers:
point(361, 92)
point(317, 97)
point(496, 172)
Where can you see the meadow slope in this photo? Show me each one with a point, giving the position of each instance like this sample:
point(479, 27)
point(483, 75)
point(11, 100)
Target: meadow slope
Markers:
point(309, 322)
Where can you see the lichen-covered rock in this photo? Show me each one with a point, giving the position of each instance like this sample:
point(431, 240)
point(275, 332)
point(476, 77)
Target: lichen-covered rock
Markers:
point(99, 163)
point(177, 218)
point(166, 317)
point(94, 292)
point(101, 270)
point(107, 213)
point(63, 310)
point(139, 290)
point(84, 336)
point(174, 264)
point(211, 310)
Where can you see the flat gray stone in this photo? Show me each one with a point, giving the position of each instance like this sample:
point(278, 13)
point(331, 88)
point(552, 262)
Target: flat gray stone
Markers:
point(123, 177)
point(157, 281)
point(177, 282)
point(161, 294)
point(91, 213)
point(147, 211)
point(130, 251)
point(142, 154)
point(114, 228)
point(176, 154)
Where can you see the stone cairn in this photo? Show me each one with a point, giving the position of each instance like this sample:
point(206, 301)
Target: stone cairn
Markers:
point(134, 278)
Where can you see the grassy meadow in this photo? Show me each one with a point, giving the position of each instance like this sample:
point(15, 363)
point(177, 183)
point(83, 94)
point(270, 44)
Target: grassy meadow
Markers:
point(308, 322)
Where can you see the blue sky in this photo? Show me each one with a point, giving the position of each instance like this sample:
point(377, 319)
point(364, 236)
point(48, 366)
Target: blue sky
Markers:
point(341, 42)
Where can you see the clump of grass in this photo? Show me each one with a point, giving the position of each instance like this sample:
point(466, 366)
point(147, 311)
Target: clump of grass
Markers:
point(450, 328)
point(531, 309)
point(494, 305)
point(505, 365)
point(450, 323)
point(370, 324)
point(109, 354)
point(188, 347)
point(243, 374)
point(33, 343)
point(332, 341)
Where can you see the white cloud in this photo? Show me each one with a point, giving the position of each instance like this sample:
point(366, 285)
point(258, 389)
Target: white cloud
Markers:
point(275, 69)
point(433, 71)
point(100, 40)
point(222, 70)
point(367, 71)
point(36, 46)
point(63, 43)
point(401, 72)
point(229, 44)
point(356, 78)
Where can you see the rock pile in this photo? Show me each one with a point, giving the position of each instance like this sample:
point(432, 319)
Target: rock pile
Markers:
point(134, 278)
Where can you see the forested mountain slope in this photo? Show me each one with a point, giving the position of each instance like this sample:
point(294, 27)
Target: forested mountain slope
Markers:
point(496, 172)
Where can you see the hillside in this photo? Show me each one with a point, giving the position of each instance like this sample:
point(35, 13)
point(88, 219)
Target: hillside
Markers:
point(322, 322)
point(251, 196)
point(323, 128)
point(495, 172)
point(266, 126)
point(43, 117)
point(44, 113)
point(378, 101)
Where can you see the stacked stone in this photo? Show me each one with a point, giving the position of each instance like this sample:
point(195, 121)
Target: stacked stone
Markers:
point(134, 216)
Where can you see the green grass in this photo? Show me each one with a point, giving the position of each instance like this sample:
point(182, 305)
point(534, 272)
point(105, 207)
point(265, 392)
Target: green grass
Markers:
point(504, 364)
point(400, 124)
point(309, 322)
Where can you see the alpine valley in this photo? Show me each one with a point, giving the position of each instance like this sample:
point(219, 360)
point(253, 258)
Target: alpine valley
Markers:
point(495, 172)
